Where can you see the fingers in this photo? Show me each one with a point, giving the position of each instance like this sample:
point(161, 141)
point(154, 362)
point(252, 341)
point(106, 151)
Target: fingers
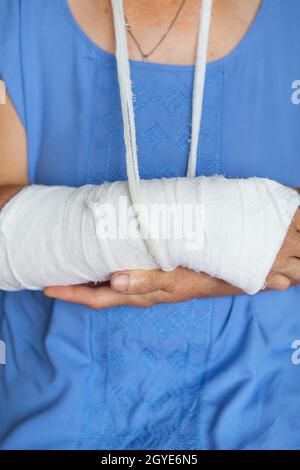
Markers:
point(291, 245)
point(289, 250)
point(83, 295)
point(97, 298)
point(176, 286)
point(297, 219)
point(144, 289)
point(294, 243)
point(292, 270)
point(278, 282)
point(141, 281)
point(94, 298)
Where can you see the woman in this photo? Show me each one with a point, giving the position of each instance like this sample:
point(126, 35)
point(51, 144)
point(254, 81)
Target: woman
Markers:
point(172, 360)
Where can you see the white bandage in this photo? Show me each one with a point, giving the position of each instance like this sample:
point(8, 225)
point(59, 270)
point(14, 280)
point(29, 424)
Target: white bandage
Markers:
point(229, 228)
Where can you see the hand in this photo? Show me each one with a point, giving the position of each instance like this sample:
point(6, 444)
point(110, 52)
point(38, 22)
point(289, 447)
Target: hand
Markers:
point(146, 288)
point(286, 269)
point(140, 288)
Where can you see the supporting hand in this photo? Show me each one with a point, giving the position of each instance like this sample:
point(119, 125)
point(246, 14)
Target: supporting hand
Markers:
point(141, 288)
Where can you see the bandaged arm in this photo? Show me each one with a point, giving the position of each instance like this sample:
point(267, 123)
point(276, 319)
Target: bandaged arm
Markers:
point(231, 229)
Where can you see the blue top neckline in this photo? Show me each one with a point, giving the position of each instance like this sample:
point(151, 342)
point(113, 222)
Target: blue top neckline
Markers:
point(102, 53)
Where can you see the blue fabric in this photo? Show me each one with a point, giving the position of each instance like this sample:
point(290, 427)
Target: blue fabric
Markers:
point(203, 374)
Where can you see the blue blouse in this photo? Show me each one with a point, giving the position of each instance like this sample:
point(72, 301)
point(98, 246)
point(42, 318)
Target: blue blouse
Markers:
point(204, 374)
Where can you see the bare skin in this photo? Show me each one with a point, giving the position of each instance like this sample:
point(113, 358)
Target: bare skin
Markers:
point(231, 19)
point(150, 19)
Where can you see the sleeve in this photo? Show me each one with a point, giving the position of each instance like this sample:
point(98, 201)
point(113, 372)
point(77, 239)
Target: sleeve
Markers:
point(11, 53)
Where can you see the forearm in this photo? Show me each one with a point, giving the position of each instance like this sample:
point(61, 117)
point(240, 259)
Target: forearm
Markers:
point(206, 285)
point(40, 242)
point(50, 234)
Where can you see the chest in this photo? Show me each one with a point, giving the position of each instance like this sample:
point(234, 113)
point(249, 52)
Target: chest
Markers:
point(150, 20)
point(250, 124)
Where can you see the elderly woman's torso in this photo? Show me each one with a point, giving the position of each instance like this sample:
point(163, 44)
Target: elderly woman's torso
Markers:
point(208, 373)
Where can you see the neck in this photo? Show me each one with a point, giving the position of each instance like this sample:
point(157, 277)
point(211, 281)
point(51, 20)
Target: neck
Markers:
point(154, 11)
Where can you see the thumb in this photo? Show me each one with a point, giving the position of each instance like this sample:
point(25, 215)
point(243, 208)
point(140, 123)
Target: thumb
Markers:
point(139, 281)
point(278, 282)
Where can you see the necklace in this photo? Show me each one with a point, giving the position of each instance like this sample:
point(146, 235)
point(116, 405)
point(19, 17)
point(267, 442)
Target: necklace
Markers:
point(144, 55)
point(126, 94)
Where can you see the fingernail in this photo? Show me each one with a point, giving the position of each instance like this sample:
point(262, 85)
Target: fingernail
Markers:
point(120, 283)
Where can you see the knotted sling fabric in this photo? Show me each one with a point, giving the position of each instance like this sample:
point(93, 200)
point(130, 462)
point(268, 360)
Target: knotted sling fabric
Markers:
point(238, 225)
